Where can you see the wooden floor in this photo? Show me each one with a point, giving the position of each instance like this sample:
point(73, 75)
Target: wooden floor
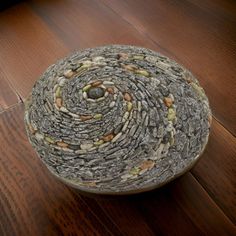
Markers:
point(201, 35)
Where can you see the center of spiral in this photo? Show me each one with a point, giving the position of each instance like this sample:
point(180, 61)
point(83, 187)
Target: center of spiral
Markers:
point(95, 93)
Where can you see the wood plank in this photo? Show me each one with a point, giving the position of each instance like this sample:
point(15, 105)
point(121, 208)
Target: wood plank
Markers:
point(32, 202)
point(8, 96)
point(87, 24)
point(180, 208)
point(216, 170)
point(27, 47)
point(195, 36)
point(128, 219)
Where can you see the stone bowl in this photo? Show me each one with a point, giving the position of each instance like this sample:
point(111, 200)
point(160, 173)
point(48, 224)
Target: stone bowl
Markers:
point(117, 120)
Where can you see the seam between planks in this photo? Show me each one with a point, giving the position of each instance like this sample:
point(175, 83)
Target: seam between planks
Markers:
point(213, 201)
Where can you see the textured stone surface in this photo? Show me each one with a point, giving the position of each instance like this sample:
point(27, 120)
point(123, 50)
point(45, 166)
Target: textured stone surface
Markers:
point(117, 119)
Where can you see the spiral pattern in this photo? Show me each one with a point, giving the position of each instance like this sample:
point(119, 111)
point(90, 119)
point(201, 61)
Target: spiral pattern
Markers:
point(117, 119)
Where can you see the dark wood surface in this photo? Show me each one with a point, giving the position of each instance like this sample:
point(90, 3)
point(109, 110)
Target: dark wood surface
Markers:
point(201, 35)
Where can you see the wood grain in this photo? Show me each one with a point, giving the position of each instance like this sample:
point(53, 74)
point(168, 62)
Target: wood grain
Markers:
point(87, 24)
point(197, 36)
point(28, 47)
point(8, 96)
point(216, 169)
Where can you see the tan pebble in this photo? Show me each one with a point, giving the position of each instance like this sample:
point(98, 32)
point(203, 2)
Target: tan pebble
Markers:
point(148, 164)
point(84, 117)
point(110, 90)
point(87, 64)
point(62, 144)
point(127, 97)
point(108, 137)
point(123, 56)
point(31, 128)
point(59, 102)
point(116, 137)
point(130, 67)
point(86, 146)
point(68, 73)
point(96, 83)
point(168, 101)
point(90, 184)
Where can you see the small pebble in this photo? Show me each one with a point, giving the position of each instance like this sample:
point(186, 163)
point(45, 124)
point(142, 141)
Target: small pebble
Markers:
point(108, 137)
point(112, 104)
point(168, 101)
point(62, 144)
point(129, 106)
point(84, 117)
point(116, 137)
point(171, 114)
point(68, 74)
point(139, 106)
point(95, 92)
point(86, 88)
point(96, 83)
point(134, 171)
point(142, 72)
point(97, 116)
point(39, 136)
point(106, 82)
point(86, 146)
point(63, 109)
point(58, 92)
point(59, 102)
point(31, 128)
point(62, 82)
point(98, 59)
point(49, 139)
point(110, 90)
point(138, 57)
point(127, 97)
point(129, 67)
point(123, 56)
point(126, 115)
point(125, 126)
point(99, 142)
point(147, 164)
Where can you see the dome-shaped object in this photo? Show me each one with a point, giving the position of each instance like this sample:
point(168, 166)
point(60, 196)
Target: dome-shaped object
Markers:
point(117, 119)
